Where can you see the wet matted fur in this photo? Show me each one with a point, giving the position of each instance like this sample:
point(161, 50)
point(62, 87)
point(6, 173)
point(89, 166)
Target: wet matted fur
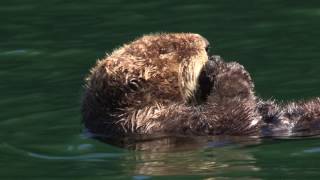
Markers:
point(166, 84)
point(146, 86)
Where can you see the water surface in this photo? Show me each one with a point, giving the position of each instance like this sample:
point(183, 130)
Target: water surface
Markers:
point(47, 48)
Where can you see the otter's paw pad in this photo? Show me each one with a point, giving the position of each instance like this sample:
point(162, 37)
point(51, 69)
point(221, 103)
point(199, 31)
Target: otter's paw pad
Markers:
point(233, 81)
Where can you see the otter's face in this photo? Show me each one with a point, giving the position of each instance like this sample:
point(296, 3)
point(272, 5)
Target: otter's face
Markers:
point(165, 66)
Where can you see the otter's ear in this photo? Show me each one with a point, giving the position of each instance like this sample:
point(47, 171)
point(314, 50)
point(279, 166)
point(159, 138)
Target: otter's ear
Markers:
point(135, 84)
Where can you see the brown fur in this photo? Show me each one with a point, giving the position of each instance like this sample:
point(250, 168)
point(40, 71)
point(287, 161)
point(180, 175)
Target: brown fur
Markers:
point(165, 84)
point(232, 104)
point(144, 88)
point(132, 83)
point(300, 118)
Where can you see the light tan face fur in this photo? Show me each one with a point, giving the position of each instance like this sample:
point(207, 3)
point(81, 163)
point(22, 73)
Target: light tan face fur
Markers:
point(169, 63)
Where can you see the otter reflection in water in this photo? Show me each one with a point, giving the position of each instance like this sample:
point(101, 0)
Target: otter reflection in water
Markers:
point(192, 155)
point(167, 85)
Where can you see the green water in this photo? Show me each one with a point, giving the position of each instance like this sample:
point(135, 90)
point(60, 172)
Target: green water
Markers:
point(47, 47)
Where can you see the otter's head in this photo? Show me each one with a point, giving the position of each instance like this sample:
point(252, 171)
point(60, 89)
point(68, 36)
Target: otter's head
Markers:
point(157, 67)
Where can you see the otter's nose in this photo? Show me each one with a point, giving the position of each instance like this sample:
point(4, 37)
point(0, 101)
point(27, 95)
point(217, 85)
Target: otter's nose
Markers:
point(208, 48)
point(207, 45)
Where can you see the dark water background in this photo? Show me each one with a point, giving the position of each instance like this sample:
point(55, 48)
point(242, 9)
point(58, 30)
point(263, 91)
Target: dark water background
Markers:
point(47, 47)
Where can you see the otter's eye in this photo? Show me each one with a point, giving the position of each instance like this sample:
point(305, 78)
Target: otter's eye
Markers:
point(135, 84)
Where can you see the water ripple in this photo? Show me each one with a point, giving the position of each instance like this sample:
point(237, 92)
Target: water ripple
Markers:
point(86, 157)
point(312, 150)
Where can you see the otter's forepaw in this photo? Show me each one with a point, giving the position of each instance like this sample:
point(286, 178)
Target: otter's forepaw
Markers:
point(232, 81)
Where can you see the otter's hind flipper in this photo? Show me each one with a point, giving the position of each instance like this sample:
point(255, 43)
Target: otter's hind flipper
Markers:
point(304, 117)
point(293, 119)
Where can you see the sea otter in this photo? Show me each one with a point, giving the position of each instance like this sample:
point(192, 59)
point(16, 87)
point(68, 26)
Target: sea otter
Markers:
point(166, 84)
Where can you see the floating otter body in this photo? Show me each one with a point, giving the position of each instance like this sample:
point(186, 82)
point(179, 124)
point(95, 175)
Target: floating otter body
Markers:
point(149, 87)
point(166, 84)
